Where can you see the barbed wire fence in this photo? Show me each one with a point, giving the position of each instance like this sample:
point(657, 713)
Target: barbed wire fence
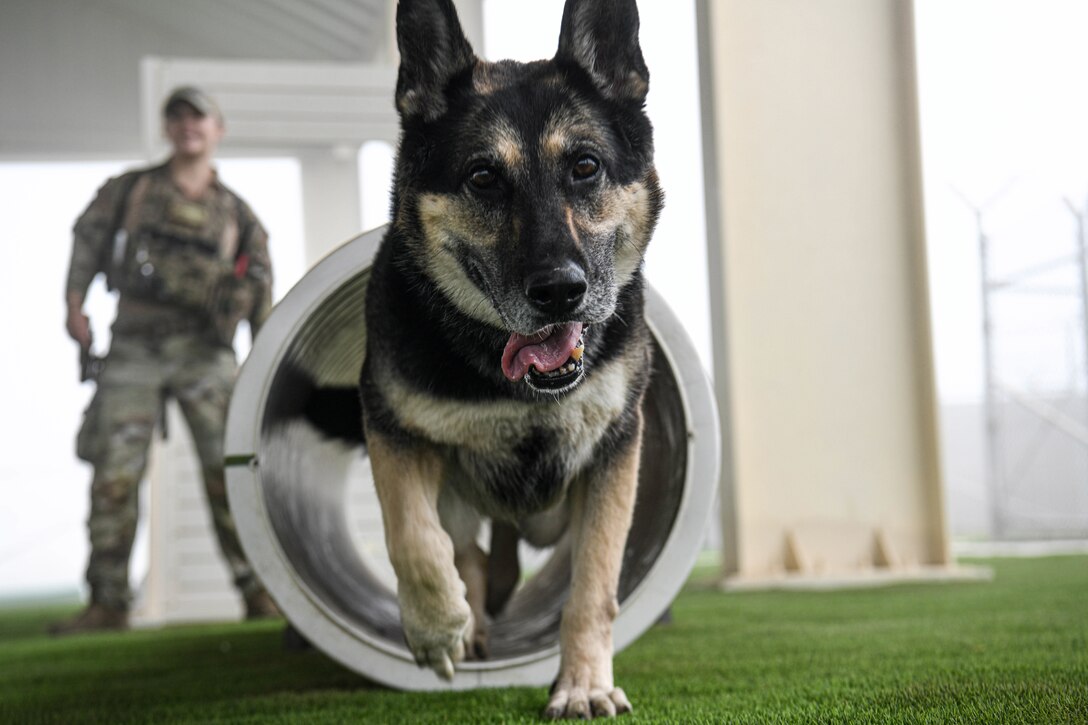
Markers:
point(1034, 309)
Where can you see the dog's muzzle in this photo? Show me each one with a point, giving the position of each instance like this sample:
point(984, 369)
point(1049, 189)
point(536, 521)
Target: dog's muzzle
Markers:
point(550, 360)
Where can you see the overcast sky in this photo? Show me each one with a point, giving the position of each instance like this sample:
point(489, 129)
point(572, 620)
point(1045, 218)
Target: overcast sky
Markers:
point(1005, 129)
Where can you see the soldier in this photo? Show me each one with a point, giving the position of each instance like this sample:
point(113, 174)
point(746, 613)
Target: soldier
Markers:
point(189, 260)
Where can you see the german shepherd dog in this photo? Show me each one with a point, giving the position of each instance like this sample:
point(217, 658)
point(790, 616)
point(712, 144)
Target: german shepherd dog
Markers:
point(507, 354)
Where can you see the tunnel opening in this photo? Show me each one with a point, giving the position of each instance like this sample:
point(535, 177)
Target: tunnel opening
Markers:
point(306, 492)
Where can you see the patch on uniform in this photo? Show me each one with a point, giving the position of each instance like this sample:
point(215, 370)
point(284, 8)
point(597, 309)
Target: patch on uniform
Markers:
point(187, 214)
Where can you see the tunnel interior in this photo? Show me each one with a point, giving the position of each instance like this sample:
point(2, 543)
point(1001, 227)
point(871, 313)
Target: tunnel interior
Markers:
point(304, 483)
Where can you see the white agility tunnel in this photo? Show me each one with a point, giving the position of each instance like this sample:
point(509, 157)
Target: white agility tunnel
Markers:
point(295, 496)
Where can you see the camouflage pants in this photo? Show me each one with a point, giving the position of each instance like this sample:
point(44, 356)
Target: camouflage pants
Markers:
point(139, 374)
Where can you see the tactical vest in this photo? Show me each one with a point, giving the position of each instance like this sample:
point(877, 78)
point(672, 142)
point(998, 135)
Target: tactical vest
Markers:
point(175, 262)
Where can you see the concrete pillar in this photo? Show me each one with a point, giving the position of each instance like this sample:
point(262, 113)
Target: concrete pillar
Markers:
point(818, 271)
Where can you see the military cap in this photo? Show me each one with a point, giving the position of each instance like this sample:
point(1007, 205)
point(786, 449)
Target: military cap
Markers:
point(195, 97)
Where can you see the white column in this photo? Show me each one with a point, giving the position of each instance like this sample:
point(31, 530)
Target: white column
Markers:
point(330, 198)
point(821, 305)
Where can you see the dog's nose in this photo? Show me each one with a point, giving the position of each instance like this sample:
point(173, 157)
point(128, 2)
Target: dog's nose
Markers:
point(556, 291)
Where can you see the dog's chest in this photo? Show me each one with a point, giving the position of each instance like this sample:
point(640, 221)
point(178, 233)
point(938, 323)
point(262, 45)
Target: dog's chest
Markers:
point(517, 453)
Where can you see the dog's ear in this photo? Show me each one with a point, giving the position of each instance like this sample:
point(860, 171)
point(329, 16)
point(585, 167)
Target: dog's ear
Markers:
point(602, 37)
point(433, 49)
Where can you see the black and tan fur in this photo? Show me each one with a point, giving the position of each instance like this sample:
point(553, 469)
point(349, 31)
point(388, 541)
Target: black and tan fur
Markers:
point(525, 196)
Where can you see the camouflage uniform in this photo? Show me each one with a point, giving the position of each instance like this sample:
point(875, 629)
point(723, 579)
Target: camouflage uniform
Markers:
point(188, 272)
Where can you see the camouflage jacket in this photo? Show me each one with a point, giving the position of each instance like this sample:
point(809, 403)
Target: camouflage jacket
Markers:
point(179, 262)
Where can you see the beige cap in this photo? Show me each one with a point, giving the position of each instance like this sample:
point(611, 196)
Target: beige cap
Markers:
point(195, 97)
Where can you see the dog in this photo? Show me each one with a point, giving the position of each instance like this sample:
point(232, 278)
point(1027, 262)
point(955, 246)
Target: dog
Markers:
point(507, 353)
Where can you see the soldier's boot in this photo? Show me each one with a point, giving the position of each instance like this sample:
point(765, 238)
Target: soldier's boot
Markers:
point(259, 605)
point(95, 617)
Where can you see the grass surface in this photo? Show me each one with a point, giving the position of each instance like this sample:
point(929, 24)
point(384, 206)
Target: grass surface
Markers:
point(1012, 650)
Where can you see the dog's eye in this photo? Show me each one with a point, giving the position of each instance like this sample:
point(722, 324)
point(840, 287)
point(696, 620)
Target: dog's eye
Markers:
point(586, 167)
point(483, 178)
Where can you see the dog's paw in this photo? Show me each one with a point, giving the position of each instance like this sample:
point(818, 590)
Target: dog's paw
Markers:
point(437, 635)
point(582, 703)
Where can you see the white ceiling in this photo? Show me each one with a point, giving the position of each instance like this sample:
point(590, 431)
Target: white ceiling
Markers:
point(70, 69)
point(319, 30)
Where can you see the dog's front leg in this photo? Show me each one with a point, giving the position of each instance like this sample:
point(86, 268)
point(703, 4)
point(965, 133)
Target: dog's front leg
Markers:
point(435, 616)
point(602, 505)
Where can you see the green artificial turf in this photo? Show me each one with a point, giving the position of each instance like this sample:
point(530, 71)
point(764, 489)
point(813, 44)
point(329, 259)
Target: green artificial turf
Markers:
point(1012, 650)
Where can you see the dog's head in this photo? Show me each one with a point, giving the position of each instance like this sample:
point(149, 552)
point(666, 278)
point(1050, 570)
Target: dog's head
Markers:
point(529, 188)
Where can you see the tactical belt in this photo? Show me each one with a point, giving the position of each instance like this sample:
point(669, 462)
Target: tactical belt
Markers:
point(157, 327)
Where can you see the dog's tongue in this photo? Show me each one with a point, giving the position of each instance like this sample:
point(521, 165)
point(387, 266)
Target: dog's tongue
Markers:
point(546, 350)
